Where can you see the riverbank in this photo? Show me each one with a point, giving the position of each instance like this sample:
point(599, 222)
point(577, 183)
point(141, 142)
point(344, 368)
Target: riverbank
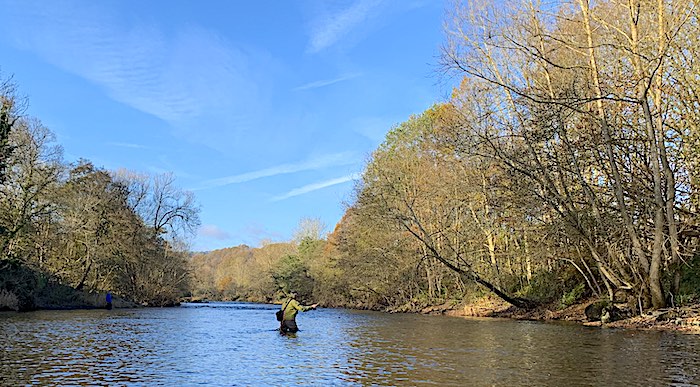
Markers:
point(682, 319)
point(59, 297)
point(23, 289)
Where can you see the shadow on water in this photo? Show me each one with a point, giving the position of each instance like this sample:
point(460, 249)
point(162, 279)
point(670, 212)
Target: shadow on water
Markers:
point(239, 344)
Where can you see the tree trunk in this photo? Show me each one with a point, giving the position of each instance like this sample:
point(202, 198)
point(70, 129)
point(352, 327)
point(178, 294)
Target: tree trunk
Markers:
point(469, 273)
point(657, 295)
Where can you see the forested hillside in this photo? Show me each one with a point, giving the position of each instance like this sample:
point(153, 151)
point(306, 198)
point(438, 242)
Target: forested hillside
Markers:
point(79, 226)
point(565, 165)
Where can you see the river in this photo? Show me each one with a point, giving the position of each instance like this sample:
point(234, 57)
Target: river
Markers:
point(236, 344)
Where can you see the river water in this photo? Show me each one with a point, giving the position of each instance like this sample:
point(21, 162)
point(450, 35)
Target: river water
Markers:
point(236, 344)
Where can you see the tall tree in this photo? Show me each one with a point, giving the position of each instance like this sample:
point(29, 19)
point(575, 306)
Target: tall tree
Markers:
point(8, 117)
point(579, 104)
point(33, 169)
point(430, 195)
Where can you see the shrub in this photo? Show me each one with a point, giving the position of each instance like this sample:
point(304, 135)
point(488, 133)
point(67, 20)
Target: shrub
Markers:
point(569, 298)
point(8, 300)
point(690, 283)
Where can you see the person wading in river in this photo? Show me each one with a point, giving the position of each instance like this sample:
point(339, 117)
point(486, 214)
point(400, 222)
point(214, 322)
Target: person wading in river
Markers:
point(290, 308)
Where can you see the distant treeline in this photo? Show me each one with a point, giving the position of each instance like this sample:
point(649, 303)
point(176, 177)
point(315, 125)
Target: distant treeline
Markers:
point(81, 226)
point(565, 165)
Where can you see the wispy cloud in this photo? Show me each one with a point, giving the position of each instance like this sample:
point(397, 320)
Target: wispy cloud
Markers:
point(316, 186)
point(213, 232)
point(256, 233)
point(325, 82)
point(329, 27)
point(336, 159)
point(127, 145)
point(138, 64)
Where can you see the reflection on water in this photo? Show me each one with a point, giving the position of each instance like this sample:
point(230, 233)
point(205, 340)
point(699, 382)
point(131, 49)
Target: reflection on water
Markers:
point(238, 344)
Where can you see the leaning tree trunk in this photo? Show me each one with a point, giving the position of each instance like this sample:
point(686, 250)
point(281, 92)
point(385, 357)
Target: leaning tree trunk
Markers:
point(469, 273)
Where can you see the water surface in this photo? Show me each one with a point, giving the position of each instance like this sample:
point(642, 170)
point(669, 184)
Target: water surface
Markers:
point(231, 344)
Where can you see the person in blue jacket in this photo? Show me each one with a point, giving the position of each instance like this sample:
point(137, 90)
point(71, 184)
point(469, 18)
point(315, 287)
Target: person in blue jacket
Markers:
point(108, 298)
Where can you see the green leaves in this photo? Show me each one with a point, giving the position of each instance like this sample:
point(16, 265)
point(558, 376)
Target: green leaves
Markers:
point(291, 274)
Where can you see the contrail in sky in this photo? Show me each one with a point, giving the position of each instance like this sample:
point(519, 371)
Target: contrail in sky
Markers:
point(316, 186)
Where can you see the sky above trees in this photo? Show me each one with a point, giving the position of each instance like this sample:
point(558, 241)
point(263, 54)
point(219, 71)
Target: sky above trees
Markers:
point(267, 110)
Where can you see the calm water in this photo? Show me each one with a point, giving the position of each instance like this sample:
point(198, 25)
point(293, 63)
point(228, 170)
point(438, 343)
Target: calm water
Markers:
point(236, 344)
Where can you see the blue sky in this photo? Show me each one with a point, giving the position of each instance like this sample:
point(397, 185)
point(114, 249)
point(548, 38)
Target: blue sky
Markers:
point(267, 110)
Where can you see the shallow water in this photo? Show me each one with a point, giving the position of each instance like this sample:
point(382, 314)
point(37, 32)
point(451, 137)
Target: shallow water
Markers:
point(231, 344)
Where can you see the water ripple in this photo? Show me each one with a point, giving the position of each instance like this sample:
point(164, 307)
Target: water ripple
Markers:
point(228, 344)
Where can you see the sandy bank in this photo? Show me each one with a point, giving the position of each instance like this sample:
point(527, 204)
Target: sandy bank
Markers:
point(682, 319)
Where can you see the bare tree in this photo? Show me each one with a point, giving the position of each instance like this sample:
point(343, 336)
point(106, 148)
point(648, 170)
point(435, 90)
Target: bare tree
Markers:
point(32, 174)
point(309, 228)
point(165, 208)
point(578, 104)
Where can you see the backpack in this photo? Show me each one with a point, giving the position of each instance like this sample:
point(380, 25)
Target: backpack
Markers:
point(280, 313)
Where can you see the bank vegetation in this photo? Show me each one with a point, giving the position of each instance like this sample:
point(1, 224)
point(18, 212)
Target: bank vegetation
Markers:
point(69, 230)
point(564, 167)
